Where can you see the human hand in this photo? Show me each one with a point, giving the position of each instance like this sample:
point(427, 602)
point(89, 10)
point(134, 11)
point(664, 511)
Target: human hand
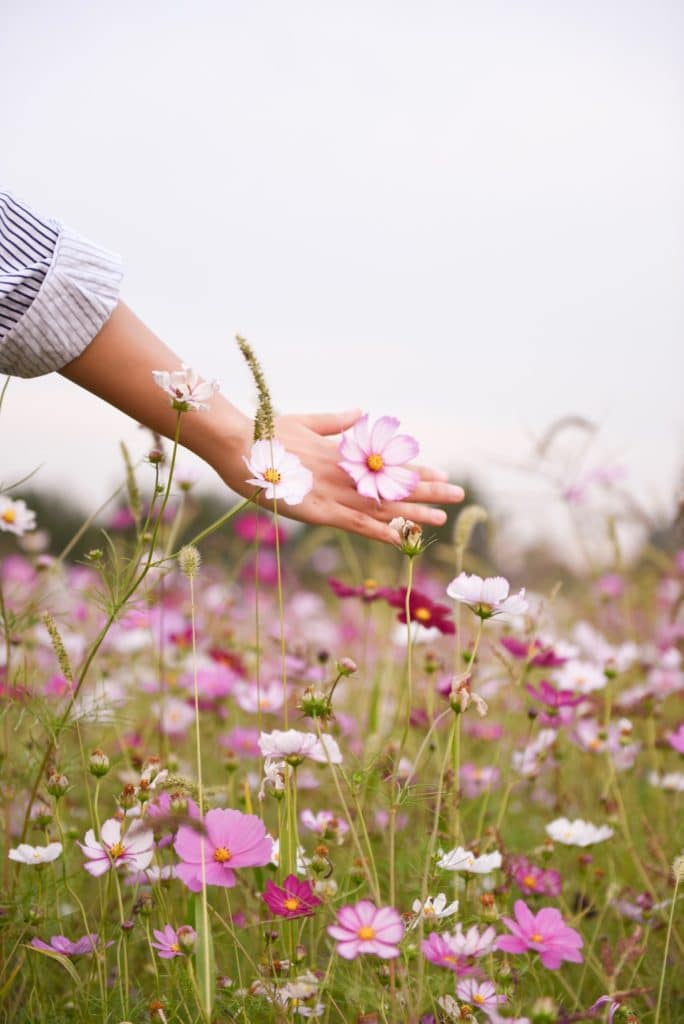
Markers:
point(333, 499)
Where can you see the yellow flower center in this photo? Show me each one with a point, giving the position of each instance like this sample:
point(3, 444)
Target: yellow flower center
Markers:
point(271, 475)
point(479, 999)
point(117, 850)
point(375, 462)
point(222, 854)
point(537, 937)
point(370, 584)
point(530, 881)
point(366, 933)
point(9, 516)
point(174, 947)
point(423, 614)
point(594, 744)
point(291, 903)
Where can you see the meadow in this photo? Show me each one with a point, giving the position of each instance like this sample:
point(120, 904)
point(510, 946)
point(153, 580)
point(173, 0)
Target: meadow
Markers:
point(255, 773)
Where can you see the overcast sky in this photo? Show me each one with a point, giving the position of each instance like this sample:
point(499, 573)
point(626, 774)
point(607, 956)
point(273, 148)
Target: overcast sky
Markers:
point(468, 215)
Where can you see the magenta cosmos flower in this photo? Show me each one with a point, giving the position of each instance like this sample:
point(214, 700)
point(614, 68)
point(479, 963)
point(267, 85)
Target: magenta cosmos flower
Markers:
point(375, 457)
point(365, 928)
point(233, 840)
point(294, 898)
point(545, 933)
point(422, 610)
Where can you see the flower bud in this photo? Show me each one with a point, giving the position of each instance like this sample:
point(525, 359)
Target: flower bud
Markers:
point(411, 536)
point(325, 889)
point(187, 938)
point(347, 667)
point(315, 704)
point(57, 785)
point(544, 1011)
point(128, 798)
point(98, 764)
point(144, 905)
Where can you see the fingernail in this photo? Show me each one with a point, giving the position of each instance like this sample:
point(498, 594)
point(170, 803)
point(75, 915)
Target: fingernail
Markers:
point(438, 517)
point(456, 492)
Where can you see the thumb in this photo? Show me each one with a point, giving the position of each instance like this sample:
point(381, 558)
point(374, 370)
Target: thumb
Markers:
point(330, 422)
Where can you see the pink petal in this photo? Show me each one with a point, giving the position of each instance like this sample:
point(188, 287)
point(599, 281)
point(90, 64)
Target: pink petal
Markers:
point(526, 919)
point(383, 950)
point(187, 845)
point(356, 470)
point(361, 434)
point(189, 874)
point(400, 449)
point(342, 934)
point(97, 867)
point(366, 486)
point(349, 950)
point(394, 483)
point(349, 449)
point(382, 433)
point(511, 944)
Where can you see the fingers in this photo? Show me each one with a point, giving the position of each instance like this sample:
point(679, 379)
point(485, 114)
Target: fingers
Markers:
point(429, 473)
point(437, 493)
point(327, 423)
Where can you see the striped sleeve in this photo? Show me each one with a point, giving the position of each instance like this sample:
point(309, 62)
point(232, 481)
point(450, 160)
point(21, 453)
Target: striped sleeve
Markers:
point(56, 291)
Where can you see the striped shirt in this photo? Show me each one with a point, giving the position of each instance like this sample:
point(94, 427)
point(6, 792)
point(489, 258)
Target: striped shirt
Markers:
point(56, 290)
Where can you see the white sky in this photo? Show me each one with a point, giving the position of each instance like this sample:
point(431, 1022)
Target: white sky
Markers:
point(468, 215)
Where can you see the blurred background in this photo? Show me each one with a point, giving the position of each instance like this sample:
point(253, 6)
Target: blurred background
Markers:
point(466, 215)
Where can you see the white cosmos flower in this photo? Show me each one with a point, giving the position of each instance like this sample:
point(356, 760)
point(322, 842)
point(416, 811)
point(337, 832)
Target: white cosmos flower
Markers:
point(434, 909)
point(293, 746)
point(15, 517)
point(673, 781)
point(184, 387)
point(580, 676)
point(25, 854)
point(460, 859)
point(278, 471)
point(577, 832)
point(489, 597)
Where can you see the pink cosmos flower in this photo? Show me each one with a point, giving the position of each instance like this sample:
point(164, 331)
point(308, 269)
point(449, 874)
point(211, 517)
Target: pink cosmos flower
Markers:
point(532, 879)
point(374, 458)
point(241, 741)
point(545, 933)
point(456, 950)
point(233, 840)
point(676, 739)
point(325, 824)
point(439, 951)
point(481, 994)
point(251, 527)
point(291, 899)
point(365, 928)
point(475, 781)
point(134, 850)
point(60, 944)
point(171, 943)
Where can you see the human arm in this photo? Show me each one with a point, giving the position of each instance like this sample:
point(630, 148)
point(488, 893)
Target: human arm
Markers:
point(117, 366)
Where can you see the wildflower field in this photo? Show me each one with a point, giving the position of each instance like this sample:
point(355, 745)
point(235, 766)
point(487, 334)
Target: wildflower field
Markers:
point(255, 773)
